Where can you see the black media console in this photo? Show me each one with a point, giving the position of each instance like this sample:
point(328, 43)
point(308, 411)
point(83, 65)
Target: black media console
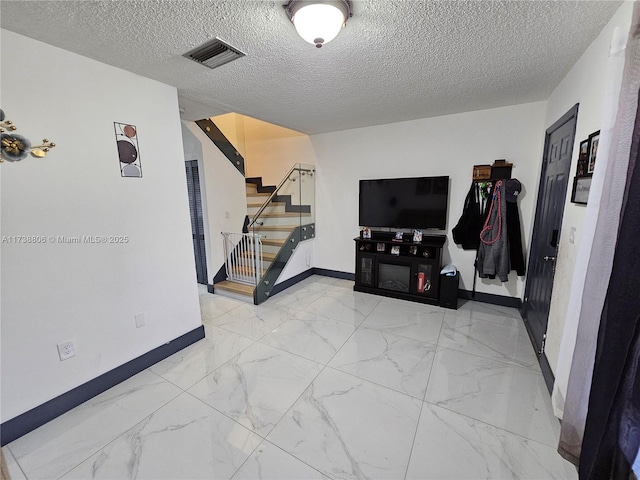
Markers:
point(399, 269)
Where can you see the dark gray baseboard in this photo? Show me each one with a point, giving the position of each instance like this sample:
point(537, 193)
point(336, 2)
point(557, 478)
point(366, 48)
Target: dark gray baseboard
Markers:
point(335, 274)
point(209, 288)
point(38, 416)
point(463, 294)
point(307, 273)
point(491, 298)
point(279, 287)
point(220, 276)
point(547, 373)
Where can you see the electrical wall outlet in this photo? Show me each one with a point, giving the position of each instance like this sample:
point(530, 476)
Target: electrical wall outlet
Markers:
point(140, 321)
point(66, 350)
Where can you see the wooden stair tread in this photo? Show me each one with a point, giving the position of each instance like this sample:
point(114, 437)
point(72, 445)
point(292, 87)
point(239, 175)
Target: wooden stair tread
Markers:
point(275, 228)
point(285, 214)
point(235, 287)
point(270, 257)
point(252, 205)
point(258, 194)
point(273, 242)
point(245, 271)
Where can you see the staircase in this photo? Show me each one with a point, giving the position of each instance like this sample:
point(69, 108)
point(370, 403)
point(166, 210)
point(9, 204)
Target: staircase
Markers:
point(281, 221)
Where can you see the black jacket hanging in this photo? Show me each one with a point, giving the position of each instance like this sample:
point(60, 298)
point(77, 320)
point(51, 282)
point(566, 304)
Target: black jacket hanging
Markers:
point(512, 189)
point(467, 232)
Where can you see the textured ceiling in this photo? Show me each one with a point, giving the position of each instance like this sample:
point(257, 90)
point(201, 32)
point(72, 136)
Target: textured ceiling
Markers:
point(394, 61)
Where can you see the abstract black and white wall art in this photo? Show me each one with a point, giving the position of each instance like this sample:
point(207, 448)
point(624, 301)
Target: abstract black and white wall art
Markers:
point(128, 150)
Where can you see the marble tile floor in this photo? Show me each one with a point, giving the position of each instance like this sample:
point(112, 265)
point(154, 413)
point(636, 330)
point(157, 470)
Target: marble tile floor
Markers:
point(319, 382)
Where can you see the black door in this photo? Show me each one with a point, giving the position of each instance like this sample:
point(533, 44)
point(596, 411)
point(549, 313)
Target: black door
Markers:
point(197, 225)
point(546, 228)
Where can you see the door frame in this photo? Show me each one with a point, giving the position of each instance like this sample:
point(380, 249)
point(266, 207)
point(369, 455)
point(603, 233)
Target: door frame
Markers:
point(542, 358)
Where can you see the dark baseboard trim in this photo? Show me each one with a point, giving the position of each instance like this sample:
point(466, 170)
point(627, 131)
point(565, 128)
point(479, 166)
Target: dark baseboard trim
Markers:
point(209, 288)
point(547, 373)
point(38, 416)
point(463, 294)
point(220, 276)
point(290, 282)
point(306, 274)
point(491, 298)
point(334, 273)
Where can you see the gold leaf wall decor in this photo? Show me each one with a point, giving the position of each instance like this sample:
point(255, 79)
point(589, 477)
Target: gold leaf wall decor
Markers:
point(14, 147)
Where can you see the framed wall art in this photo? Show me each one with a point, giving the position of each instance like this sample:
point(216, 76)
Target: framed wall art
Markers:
point(583, 158)
point(128, 150)
point(594, 139)
point(581, 187)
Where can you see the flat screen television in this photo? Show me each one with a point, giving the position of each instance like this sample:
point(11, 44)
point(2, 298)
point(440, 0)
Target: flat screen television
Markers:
point(404, 202)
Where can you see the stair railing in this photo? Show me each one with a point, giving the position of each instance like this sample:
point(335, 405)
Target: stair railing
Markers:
point(286, 218)
point(295, 174)
point(243, 258)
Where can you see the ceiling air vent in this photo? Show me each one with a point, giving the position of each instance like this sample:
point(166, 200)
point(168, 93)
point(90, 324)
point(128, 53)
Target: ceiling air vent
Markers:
point(214, 53)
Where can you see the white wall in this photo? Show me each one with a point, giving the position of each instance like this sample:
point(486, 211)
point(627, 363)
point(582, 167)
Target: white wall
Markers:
point(224, 196)
point(273, 150)
point(88, 293)
point(584, 84)
point(301, 261)
point(447, 145)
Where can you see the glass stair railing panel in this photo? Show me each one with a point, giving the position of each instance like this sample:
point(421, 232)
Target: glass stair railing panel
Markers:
point(291, 205)
point(283, 221)
point(308, 192)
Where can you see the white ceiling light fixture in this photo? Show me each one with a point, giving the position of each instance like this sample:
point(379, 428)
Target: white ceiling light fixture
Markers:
point(318, 21)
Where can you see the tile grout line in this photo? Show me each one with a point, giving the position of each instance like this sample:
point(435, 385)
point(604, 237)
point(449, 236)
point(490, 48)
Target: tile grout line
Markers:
point(427, 344)
point(426, 388)
point(324, 367)
point(529, 369)
point(506, 357)
point(125, 430)
point(215, 369)
point(15, 460)
point(520, 435)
